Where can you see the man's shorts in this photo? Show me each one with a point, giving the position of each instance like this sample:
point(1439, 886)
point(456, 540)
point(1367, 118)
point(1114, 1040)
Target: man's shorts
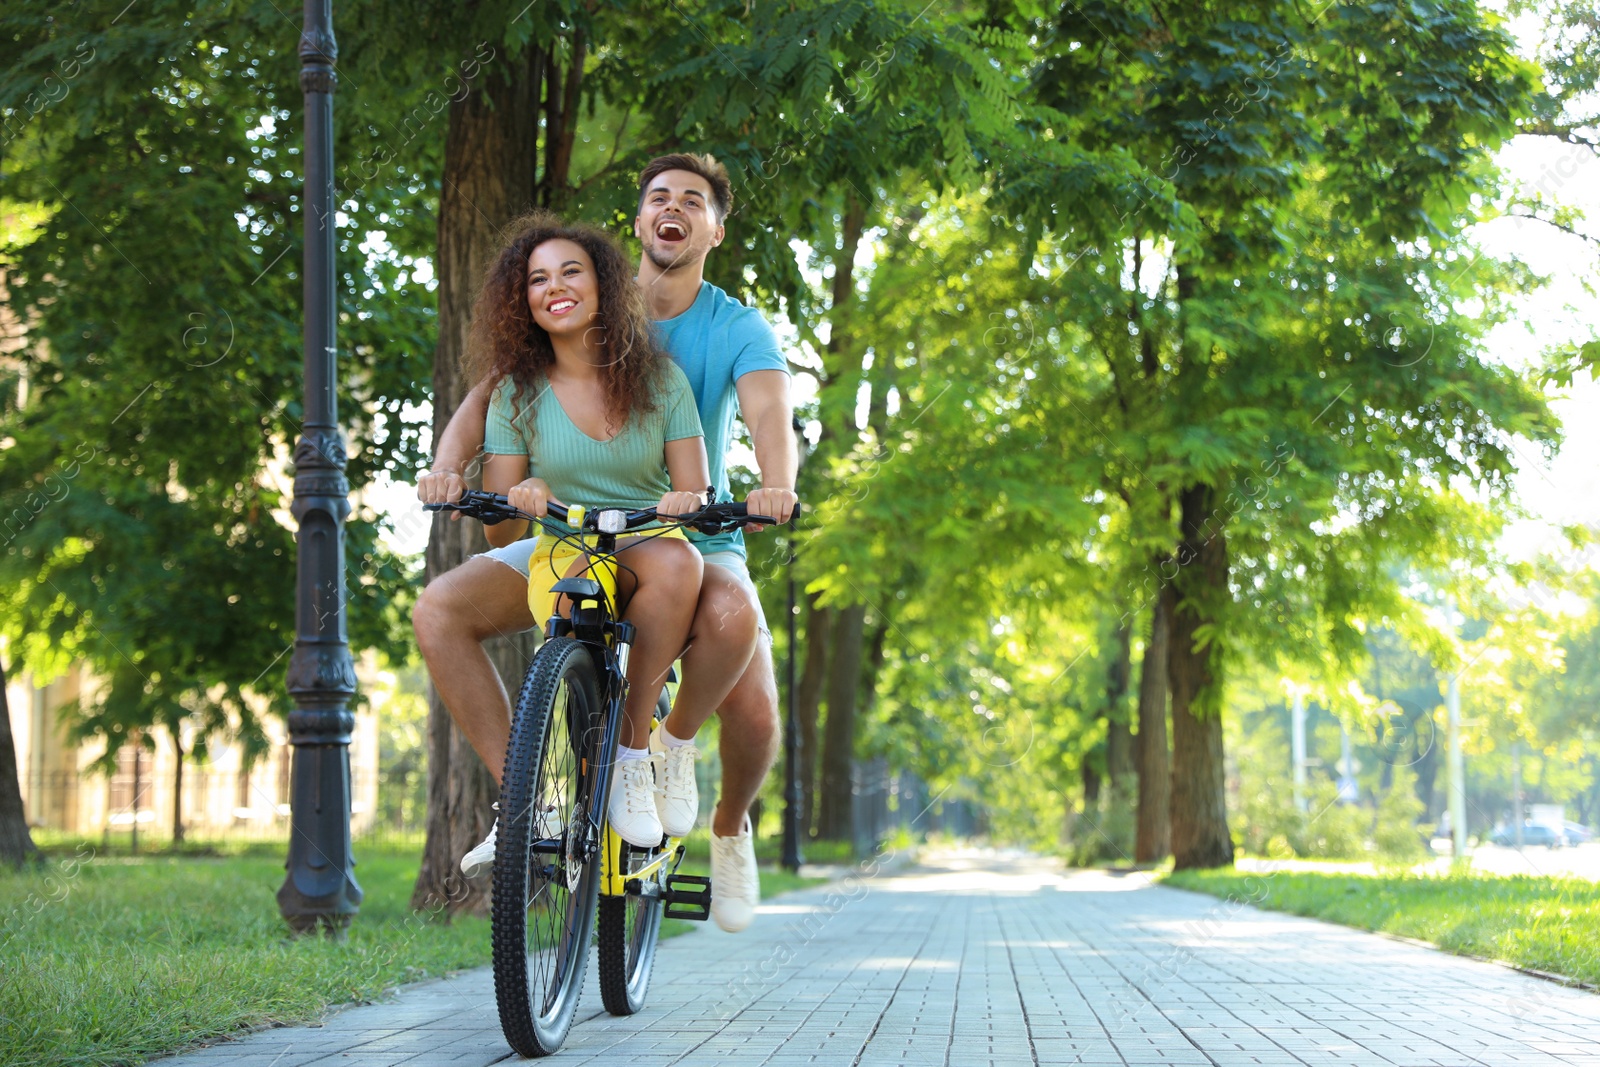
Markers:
point(554, 557)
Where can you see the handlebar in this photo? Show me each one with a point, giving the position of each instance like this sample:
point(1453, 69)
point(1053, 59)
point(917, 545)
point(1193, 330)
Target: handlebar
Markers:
point(492, 508)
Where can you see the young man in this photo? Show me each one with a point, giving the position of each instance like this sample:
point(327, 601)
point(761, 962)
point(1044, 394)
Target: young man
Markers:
point(729, 353)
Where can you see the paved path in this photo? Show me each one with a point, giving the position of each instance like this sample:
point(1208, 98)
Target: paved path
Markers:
point(976, 959)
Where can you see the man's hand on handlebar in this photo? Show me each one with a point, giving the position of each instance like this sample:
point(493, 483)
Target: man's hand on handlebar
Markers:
point(531, 495)
point(441, 487)
point(778, 503)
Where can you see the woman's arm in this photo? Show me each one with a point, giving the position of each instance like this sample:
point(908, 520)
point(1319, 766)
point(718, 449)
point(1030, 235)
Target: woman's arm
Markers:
point(462, 437)
point(459, 444)
point(690, 475)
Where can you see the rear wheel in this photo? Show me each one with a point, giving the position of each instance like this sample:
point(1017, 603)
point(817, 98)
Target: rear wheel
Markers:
point(547, 859)
point(630, 925)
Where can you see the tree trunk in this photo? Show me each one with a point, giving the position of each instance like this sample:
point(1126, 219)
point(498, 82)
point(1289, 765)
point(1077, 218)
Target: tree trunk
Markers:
point(16, 843)
point(1199, 799)
point(819, 627)
point(1154, 839)
point(844, 684)
point(562, 95)
point(177, 784)
point(489, 175)
point(1119, 734)
point(1092, 776)
point(874, 664)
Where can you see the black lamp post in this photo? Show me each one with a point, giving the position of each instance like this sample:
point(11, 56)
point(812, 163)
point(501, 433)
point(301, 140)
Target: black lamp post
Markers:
point(320, 892)
point(793, 789)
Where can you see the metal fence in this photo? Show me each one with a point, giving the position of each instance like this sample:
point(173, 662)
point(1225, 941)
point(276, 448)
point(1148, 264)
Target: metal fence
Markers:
point(231, 805)
point(884, 801)
point(216, 805)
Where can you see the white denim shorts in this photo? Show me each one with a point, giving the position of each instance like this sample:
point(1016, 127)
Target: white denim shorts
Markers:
point(518, 554)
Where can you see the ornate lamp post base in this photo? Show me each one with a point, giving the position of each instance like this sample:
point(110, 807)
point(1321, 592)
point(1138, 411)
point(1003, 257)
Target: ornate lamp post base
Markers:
point(320, 892)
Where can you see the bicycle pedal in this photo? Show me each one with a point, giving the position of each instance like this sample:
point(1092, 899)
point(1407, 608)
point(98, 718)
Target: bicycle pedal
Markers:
point(688, 896)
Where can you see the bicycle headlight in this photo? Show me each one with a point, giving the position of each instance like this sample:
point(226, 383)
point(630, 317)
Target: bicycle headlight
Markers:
point(612, 521)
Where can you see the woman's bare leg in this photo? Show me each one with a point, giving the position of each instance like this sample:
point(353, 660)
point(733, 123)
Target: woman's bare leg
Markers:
point(455, 614)
point(660, 598)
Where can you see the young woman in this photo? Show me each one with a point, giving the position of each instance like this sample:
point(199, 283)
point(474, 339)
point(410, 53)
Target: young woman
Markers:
point(588, 409)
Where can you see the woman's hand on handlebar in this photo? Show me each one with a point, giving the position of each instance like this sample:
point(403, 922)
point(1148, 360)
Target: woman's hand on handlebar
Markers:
point(675, 504)
point(779, 503)
point(441, 487)
point(530, 495)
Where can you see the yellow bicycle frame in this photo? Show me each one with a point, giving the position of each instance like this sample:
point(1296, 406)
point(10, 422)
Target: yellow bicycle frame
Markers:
point(613, 876)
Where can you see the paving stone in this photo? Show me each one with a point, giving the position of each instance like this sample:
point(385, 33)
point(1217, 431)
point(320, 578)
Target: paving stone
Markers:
point(977, 958)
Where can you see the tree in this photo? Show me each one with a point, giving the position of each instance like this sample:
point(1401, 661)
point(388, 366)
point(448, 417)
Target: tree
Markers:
point(151, 262)
point(1256, 115)
point(16, 842)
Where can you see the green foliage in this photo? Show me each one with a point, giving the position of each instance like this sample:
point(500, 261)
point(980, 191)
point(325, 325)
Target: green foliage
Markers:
point(1105, 834)
point(403, 751)
point(1107, 253)
point(1267, 823)
point(157, 273)
point(1397, 836)
point(1331, 830)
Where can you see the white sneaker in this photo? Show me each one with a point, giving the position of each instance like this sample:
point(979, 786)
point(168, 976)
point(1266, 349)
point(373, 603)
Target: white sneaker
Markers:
point(481, 858)
point(735, 883)
point(632, 807)
point(677, 795)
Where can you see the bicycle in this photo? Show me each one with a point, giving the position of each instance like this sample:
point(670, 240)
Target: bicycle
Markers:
point(547, 886)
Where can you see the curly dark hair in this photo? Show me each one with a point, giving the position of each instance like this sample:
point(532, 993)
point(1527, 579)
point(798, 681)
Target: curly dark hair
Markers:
point(506, 342)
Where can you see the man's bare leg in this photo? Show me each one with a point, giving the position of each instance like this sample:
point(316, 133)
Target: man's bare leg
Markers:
point(722, 641)
point(455, 614)
point(727, 670)
point(750, 737)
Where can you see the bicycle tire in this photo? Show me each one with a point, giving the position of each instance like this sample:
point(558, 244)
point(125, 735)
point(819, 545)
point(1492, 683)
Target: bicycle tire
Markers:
point(543, 905)
point(630, 926)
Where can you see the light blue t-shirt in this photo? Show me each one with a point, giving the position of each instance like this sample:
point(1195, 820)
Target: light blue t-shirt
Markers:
point(717, 342)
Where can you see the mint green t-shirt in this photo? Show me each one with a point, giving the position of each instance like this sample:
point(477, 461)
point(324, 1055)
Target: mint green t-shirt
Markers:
point(630, 470)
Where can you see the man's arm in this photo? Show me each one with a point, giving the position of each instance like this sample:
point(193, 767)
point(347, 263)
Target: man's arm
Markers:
point(459, 445)
point(764, 403)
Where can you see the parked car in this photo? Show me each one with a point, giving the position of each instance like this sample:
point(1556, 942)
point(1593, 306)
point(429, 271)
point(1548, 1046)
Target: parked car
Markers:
point(1533, 833)
point(1578, 834)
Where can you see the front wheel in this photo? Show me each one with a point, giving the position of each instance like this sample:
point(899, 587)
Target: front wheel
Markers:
point(547, 858)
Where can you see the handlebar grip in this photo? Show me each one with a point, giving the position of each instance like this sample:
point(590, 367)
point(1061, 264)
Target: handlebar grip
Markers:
point(769, 519)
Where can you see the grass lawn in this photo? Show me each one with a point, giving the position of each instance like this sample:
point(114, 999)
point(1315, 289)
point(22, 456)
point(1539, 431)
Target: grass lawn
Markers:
point(111, 961)
point(1548, 924)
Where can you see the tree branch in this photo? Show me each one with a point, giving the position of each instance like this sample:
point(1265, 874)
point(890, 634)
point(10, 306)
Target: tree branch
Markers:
point(616, 146)
point(1568, 132)
point(1563, 227)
